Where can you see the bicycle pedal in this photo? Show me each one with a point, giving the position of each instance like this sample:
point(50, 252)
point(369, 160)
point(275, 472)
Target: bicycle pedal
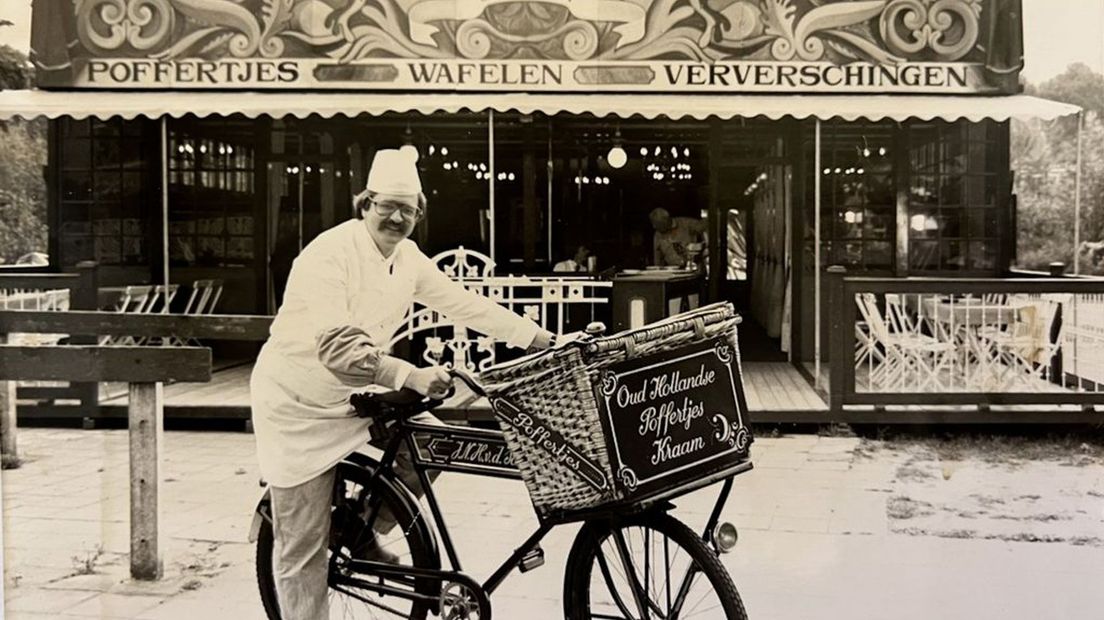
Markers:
point(531, 560)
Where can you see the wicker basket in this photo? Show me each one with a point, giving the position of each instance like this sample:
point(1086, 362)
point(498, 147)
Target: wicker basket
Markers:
point(559, 389)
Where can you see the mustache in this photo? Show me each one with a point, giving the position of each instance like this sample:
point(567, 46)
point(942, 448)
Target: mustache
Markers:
point(386, 225)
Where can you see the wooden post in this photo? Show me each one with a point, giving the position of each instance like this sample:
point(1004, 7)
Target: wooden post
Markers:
point(146, 416)
point(839, 355)
point(8, 427)
point(86, 296)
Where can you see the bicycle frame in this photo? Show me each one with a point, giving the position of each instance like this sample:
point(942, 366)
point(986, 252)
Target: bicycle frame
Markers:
point(472, 451)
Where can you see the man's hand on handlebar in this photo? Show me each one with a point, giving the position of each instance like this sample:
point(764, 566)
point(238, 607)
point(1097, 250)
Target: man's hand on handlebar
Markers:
point(543, 340)
point(431, 381)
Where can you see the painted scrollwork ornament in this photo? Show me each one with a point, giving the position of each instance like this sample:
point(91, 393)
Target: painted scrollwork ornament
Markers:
point(804, 38)
point(108, 25)
point(609, 383)
point(723, 351)
point(473, 39)
point(949, 28)
point(628, 478)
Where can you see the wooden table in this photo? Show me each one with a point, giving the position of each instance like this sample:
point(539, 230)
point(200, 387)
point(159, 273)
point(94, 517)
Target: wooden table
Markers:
point(966, 313)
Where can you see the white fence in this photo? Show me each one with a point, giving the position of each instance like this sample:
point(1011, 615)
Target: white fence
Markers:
point(925, 342)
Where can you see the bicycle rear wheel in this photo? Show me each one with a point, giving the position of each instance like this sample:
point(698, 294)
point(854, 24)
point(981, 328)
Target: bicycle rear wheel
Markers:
point(354, 500)
point(651, 566)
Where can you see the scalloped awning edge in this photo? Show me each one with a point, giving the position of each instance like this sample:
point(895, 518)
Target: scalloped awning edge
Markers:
point(155, 104)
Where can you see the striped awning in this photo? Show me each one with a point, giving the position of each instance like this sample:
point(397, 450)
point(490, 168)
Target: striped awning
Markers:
point(99, 104)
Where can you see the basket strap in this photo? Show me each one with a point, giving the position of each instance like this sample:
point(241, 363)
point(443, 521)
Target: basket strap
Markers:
point(699, 328)
point(551, 441)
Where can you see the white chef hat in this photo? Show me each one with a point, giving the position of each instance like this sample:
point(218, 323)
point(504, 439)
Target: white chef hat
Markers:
point(394, 172)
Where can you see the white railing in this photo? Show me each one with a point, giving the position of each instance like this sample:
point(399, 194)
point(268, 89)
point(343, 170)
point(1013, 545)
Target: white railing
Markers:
point(34, 300)
point(1083, 340)
point(558, 304)
point(55, 300)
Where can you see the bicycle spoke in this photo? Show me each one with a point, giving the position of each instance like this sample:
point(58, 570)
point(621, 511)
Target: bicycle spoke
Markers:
point(644, 603)
point(360, 601)
point(604, 567)
point(350, 611)
point(684, 589)
point(695, 612)
point(647, 565)
point(667, 571)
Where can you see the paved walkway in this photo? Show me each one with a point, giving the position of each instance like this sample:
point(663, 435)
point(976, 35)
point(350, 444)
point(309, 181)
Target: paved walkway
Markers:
point(830, 528)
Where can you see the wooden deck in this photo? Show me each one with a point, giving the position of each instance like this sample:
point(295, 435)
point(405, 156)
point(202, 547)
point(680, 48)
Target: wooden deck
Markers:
point(775, 392)
point(226, 395)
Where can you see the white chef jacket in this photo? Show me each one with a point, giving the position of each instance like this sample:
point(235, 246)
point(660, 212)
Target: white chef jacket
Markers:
point(302, 419)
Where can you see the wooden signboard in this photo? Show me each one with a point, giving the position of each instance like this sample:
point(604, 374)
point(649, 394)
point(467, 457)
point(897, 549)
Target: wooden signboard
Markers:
point(674, 417)
point(784, 46)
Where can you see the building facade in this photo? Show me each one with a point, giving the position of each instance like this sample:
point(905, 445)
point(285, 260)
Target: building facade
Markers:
point(787, 184)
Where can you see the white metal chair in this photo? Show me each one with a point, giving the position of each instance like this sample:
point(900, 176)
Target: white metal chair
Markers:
point(142, 299)
point(202, 300)
point(1022, 354)
point(911, 359)
point(867, 353)
point(204, 297)
point(136, 299)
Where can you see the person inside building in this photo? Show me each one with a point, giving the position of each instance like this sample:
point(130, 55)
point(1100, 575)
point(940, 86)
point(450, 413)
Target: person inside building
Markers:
point(577, 263)
point(346, 294)
point(673, 236)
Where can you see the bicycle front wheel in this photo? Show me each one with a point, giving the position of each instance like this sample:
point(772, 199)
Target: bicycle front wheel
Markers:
point(651, 566)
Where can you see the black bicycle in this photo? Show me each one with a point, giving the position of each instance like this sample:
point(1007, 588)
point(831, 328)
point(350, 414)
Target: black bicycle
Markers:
point(637, 563)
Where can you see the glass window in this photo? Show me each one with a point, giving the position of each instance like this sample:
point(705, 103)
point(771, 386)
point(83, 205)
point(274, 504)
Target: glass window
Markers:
point(211, 195)
point(102, 193)
point(605, 207)
point(953, 196)
point(858, 201)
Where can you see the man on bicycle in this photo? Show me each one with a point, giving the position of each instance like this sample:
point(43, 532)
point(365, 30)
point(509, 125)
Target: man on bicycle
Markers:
point(348, 291)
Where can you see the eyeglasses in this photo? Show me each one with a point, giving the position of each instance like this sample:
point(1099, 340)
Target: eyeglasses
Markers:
point(387, 209)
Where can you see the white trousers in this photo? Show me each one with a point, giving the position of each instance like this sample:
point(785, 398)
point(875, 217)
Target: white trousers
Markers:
point(301, 525)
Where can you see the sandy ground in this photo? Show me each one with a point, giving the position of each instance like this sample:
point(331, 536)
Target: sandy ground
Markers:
point(831, 527)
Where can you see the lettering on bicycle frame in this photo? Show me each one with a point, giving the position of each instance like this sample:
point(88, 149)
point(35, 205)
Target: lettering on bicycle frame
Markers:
point(447, 450)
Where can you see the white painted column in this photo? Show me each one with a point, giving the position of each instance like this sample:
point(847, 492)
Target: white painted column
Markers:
point(165, 154)
point(491, 182)
point(816, 256)
point(1077, 198)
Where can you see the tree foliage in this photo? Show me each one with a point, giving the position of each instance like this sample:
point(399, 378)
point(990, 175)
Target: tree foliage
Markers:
point(22, 160)
point(1044, 158)
point(16, 70)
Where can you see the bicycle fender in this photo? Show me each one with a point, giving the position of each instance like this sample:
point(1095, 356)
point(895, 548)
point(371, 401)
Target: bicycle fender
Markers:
point(260, 515)
point(406, 496)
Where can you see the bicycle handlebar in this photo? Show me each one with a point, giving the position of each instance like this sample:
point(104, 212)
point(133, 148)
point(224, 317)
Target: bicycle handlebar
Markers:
point(467, 380)
point(394, 405)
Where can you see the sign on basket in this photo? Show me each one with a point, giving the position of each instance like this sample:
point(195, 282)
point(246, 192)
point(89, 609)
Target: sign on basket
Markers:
point(674, 415)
